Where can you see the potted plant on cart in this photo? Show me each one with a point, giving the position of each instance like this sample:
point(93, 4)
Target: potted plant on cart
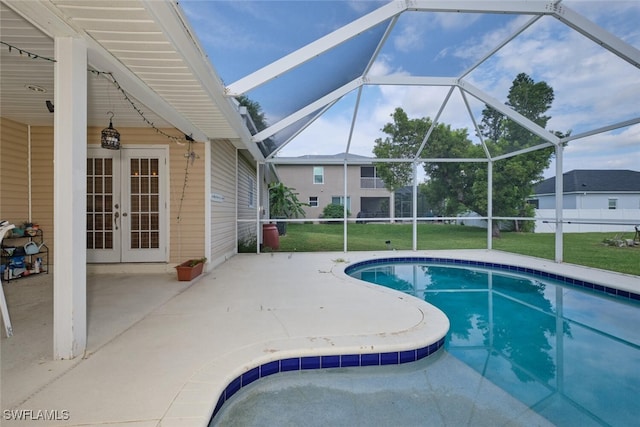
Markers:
point(190, 269)
point(284, 204)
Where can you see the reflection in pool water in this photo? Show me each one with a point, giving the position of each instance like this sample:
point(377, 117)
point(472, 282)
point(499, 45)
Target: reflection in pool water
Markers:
point(569, 354)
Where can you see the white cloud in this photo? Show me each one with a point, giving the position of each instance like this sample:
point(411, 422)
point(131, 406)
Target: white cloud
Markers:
point(456, 21)
point(409, 38)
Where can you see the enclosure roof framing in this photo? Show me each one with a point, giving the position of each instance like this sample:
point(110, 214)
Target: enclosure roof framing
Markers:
point(286, 127)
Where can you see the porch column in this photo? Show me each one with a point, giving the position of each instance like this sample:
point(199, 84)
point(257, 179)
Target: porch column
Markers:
point(69, 199)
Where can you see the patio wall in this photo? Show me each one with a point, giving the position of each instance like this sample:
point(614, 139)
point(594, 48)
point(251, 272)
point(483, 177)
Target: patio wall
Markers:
point(14, 184)
point(247, 205)
point(223, 201)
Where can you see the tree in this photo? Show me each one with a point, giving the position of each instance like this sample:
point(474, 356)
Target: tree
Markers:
point(255, 112)
point(405, 137)
point(284, 202)
point(459, 186)
point(254, 109)
point(514, 177)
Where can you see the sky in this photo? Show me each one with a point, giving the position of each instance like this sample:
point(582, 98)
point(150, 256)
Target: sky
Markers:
point(592, 87)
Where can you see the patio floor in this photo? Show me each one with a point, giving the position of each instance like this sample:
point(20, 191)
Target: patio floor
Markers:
point(160, 351)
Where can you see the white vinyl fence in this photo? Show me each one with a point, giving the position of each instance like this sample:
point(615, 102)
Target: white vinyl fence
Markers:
point(589, 220)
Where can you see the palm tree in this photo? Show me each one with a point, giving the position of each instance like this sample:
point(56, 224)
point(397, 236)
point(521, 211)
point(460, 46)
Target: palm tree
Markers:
point(284, 203)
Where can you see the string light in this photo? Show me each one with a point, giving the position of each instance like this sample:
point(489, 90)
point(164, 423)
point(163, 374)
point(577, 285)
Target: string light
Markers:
point(190, 155)
point(113, 80)
point(29, 54)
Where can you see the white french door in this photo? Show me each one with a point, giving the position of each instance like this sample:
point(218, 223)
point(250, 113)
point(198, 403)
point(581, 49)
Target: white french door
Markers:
point(126, 206)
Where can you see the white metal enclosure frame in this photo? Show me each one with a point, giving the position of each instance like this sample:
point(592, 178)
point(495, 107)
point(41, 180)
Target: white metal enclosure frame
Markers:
point(388, 15)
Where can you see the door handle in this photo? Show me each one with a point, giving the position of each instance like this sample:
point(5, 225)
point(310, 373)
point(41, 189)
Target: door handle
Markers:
point(124, 214)
point(116, 215)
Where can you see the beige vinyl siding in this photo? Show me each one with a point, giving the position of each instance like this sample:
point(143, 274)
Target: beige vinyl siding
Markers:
point(14, 179)
point(42, 183)
point(186, 238)
point(247, 209)
point(187, 235)
point(223, 212)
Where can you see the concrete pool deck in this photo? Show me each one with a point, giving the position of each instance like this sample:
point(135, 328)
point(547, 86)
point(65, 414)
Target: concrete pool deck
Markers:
point(160, 351)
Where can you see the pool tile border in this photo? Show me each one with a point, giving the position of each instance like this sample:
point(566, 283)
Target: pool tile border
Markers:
point(324, 362)
point(532, 271)
point(396, 357)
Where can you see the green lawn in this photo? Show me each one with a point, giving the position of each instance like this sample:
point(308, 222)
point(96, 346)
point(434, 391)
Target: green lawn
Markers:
point(579, 248)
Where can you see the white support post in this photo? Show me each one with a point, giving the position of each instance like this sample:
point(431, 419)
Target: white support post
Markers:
point(260, 202)
point(414, 212)
point(69, 199)
point(559, 245)
point(392, 207)
point(344, 211)
point(490, 205)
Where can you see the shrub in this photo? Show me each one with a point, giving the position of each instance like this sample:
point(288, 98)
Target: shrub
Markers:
point(248, 245)
point(334, 211)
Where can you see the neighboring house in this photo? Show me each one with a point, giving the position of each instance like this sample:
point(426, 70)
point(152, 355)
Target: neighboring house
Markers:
point(608, 197)
point(591, 189)
point(319, 181)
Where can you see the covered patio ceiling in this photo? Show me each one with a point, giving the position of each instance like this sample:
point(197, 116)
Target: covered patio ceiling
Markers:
point(145, 66)
point(325, 93)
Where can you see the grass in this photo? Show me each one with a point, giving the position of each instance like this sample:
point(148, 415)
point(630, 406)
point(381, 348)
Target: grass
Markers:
point(579, 248)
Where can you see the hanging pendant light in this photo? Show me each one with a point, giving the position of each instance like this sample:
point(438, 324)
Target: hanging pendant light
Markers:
point(110, 136)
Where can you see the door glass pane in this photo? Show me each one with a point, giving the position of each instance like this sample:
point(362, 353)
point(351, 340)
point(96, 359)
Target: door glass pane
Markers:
point(99, 204)
point(145, 193)
point(154, 185)
point(135, 221)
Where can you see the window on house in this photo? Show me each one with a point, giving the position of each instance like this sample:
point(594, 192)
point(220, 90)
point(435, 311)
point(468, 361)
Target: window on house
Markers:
point(318, 174)
point(369, 177)
point(251, 192)
point(339, 200)
point(613, 203)
point(313, 201)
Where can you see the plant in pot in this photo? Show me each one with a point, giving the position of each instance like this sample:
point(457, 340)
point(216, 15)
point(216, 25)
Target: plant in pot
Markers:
point(190, 269)
point(284, 203)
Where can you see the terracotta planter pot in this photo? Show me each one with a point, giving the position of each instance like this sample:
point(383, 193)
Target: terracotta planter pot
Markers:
point(186, 272)
point(270, 237)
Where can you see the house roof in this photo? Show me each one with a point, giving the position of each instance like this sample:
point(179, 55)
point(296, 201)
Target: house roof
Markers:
point(322, 159)
point(589, 180)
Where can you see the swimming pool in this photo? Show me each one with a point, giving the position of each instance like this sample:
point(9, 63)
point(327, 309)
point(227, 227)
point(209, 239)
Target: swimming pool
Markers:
point(436, 390)
point(568, 352)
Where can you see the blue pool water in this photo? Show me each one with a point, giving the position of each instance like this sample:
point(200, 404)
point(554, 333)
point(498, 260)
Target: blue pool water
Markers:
point(570, 354)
